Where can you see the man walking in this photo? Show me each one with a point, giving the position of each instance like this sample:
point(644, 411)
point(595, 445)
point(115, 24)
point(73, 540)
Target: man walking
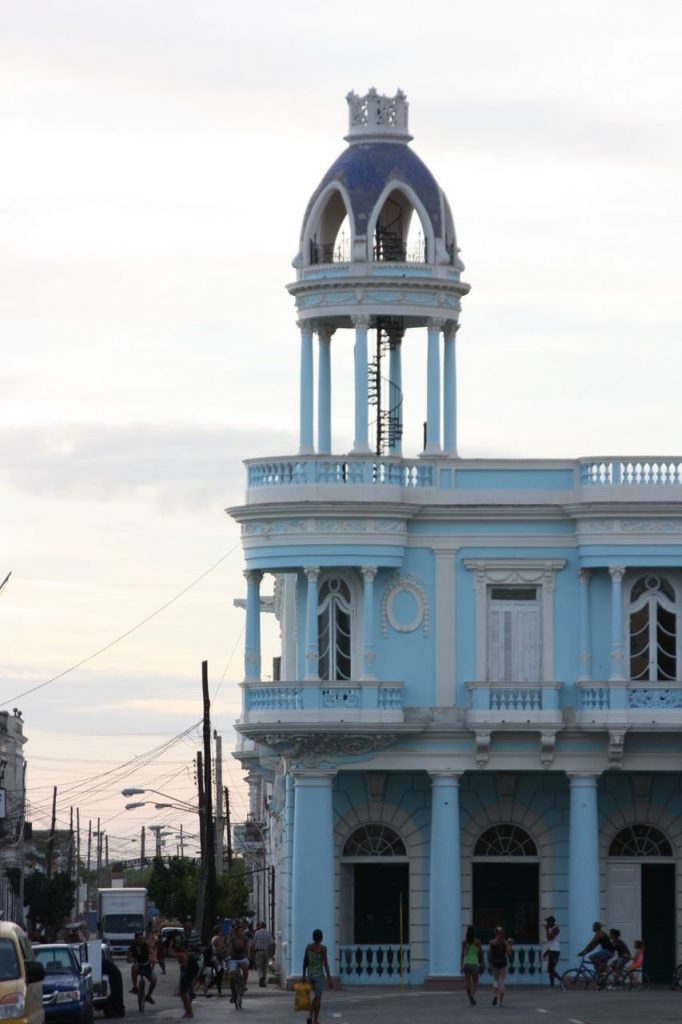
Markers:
point(263, 948)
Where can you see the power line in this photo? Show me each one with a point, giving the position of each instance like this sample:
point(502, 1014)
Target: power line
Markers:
point(128, 632)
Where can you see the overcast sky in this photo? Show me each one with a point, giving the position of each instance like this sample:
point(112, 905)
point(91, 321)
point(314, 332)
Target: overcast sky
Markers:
point(157, 159)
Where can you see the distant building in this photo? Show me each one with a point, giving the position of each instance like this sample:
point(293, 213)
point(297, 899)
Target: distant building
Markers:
point(478, 712)
point(12, 811)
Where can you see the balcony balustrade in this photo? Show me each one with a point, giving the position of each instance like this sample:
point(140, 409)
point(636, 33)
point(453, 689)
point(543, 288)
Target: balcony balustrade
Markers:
point(514, 704)
point(322, 702)
point(646, 704)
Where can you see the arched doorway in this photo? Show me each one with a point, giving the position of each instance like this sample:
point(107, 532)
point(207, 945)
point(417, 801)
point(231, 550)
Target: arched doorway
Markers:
point(640, 895)
point(506, 884)
point(376, 879)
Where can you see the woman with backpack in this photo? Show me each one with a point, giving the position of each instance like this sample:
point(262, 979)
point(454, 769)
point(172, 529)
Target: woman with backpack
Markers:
point(499, 952)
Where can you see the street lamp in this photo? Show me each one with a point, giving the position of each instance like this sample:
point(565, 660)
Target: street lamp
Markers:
point(134, 791)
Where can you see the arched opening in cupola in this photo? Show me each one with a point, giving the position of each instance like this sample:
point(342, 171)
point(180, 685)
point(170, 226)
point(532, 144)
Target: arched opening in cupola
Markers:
point(331, 240)
point(399, 235)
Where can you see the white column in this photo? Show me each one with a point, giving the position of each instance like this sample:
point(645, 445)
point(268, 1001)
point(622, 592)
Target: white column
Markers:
point(306, 446)
point(313, 869)
point(368, 650)
point(445, 879)
point(433, 386)
point(312, 652)
point(252, 630)
point(361, 443)
point(324, 391)
point(450, 390)
point(585, 633)
point(616, 573)
point(583, 861)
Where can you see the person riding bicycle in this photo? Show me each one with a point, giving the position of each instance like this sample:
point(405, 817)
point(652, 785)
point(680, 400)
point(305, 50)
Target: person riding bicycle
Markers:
point(237, 959)
point(140, 956)
point(636, 965)
point(601, 956)
point(622, 953)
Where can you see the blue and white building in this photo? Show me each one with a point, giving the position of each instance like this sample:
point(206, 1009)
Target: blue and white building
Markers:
point(477, 713)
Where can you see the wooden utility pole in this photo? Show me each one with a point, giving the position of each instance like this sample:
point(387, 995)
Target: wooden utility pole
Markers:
point(219, 820)
point(78, 862)
point(99, 854)
point(209, 846)
point(228, 827)
point(142, 856)
point(201, 874)
point(53, 825)
point(69, 861)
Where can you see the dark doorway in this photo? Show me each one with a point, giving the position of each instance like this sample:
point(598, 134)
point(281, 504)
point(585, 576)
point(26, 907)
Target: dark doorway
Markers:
point(507, 894)
point(376, 905)
point(658, 920)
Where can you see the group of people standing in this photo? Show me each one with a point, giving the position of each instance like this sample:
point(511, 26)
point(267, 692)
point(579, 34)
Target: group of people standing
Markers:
point(606, 950)
point(473, 963)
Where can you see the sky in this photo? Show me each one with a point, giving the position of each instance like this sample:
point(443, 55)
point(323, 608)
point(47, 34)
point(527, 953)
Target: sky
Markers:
point(158, 156)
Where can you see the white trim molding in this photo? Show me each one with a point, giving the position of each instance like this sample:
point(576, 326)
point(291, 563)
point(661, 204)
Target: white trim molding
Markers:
point(539, 572)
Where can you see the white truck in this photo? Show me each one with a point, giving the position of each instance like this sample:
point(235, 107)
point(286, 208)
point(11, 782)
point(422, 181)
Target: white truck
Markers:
point(120, 913)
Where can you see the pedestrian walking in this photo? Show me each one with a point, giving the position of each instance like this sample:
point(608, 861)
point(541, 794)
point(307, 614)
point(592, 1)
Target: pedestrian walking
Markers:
point(472, 963)
point(315, 966)
point(499, 951)
point(552, 949)
point(263, 949)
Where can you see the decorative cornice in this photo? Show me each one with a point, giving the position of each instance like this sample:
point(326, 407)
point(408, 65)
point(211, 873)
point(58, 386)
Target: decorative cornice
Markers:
point(311, 749)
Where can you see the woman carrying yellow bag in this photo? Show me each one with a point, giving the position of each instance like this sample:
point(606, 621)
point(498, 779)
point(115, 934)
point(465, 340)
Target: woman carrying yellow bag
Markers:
point(315, 966)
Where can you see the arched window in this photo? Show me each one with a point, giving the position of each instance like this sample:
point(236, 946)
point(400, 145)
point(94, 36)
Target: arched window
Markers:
point(398, 233)
point(334, 624)
point(505, 840)
point(653, 629)
point(640, 841)
point(374, 841)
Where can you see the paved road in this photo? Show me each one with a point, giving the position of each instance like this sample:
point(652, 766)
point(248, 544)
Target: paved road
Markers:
point(390, 1006)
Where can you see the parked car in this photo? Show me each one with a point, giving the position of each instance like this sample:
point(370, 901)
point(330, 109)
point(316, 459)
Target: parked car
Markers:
point(67, 986)
point(21, 994)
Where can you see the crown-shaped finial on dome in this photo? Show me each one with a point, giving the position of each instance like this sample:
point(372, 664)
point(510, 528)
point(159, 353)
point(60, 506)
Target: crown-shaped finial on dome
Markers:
point(377, 118)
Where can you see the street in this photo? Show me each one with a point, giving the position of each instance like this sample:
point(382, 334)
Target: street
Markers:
point(389, 1005)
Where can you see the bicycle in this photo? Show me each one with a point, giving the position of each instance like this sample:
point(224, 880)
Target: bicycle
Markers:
point(677, 977)
point(238, 987)
point(584, 976)
point(631, 981)
point(141, 988)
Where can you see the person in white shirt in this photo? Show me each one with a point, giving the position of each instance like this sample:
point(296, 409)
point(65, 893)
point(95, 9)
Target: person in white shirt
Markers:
point(552, 949)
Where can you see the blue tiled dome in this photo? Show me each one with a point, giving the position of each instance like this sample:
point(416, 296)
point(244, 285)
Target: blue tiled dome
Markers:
point(364, 170)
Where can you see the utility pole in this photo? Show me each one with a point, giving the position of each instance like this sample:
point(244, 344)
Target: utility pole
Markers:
point(219, 820)
point(209, 849)
point(182, 843)
point(201, 874)
point(69, 861)
point(142, 835)
point(53, 825)
point(229, 828)
point(78, 862)
point(89, 901)
point(106, 851)
point(99, 854)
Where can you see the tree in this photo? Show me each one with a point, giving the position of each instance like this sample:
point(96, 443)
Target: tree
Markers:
point(233, 891)
point(50, 899)
point(173, 887)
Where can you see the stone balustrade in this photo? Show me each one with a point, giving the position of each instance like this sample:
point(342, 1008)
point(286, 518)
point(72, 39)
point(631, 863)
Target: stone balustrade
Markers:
point(322, 701)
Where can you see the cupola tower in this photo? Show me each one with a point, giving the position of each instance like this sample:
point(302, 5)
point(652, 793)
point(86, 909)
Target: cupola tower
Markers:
point(378, 255)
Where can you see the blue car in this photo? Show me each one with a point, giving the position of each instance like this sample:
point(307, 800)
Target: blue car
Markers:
point(67, 986)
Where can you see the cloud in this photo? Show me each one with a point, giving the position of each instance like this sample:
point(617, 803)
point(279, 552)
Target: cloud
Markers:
point(176, 466)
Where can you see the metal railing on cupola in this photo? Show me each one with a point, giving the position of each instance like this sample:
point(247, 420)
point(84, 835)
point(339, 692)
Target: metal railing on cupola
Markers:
point(387, 427)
